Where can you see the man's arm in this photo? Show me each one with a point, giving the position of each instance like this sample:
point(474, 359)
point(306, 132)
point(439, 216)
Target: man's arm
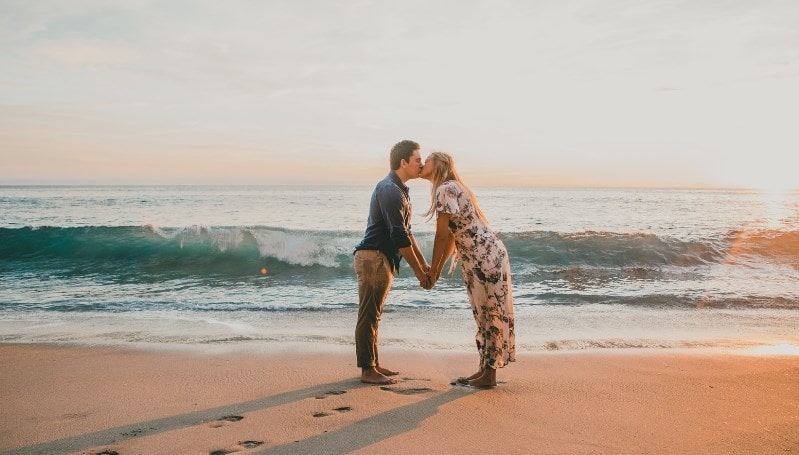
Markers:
point(420, 271)
point(391, 210)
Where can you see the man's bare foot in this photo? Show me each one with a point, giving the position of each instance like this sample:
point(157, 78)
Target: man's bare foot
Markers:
point(372, 376)
point(386, 371)
point(486, 380)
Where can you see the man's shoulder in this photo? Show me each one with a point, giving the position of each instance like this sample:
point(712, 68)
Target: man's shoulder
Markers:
point(388, 188)
point(390, 178)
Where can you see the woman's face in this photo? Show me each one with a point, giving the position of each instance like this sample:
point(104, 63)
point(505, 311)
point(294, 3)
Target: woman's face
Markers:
point(427, 169)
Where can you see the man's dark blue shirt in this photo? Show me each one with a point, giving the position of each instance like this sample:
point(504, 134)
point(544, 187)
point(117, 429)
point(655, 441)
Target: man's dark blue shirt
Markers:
point(389, 226)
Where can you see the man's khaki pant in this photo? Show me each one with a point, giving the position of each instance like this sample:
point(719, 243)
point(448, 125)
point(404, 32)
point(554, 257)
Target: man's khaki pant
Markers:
point(374, 280)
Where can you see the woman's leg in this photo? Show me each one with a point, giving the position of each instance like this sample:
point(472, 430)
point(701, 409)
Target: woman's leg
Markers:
point(487, 379)
point(468, 278)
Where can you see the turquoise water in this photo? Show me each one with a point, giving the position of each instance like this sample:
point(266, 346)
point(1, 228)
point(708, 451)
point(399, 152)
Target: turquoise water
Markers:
point(602, 268)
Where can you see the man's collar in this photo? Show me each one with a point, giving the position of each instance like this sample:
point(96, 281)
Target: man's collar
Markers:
point(396, 179)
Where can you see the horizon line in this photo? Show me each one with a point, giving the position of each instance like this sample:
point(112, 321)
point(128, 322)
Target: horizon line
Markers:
point(342, 184)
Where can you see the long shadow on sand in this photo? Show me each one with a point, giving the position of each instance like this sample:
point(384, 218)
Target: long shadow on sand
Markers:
point(136, 430)
point(371, 430)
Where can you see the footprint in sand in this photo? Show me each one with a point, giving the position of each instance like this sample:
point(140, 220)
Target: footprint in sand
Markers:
point(407, 391)
point(224, 421)
point(332, 392)
point(339, 409)
point(242, 445)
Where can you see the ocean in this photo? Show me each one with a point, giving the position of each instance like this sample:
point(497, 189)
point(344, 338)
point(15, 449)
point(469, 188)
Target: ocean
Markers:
point(268, 266)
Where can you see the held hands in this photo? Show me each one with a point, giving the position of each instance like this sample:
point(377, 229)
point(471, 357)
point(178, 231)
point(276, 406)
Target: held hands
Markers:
point(425, 280)
point(431, 276)
point(431, 279)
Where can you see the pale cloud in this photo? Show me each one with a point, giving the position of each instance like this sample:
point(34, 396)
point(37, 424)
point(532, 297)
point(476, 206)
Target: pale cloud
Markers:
point(582, 90)
point(88, 53)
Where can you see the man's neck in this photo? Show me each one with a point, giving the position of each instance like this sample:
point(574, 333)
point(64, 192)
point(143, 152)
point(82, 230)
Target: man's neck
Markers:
point(401, 176)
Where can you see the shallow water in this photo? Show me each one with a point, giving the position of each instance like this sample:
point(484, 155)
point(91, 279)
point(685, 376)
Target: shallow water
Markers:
point(593, 268)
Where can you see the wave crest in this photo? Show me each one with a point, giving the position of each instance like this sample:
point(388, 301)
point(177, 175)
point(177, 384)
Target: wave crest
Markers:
point(242, 251)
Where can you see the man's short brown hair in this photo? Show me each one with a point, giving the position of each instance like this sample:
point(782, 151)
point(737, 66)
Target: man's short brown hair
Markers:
point(402, 150)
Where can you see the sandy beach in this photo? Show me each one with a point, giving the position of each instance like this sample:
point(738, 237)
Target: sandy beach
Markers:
point(93, 400)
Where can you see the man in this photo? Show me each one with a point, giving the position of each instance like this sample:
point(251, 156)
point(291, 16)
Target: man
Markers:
point(387, 240)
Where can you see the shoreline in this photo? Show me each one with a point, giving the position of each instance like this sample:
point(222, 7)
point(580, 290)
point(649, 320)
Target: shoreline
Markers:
point(539, 329)
point(70, 399)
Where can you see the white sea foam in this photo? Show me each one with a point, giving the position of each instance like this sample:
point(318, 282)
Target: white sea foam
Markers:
point(544, 329)
point(593, 268)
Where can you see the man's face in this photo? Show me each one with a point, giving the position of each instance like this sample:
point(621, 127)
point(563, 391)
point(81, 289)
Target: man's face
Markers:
point(414, 167)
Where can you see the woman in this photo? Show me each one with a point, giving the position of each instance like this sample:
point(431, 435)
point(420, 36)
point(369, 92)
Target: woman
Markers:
point(462, 229)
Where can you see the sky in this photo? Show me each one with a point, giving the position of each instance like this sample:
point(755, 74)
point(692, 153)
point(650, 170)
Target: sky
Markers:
point(678, 93)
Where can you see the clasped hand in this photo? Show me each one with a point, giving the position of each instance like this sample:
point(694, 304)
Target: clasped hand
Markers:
point(427, 280)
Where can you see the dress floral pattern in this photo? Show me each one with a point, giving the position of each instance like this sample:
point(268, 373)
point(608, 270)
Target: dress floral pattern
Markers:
point(486, 272)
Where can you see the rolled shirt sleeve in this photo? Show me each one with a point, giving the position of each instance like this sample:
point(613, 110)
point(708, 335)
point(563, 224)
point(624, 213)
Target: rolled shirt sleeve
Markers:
point(389, 225)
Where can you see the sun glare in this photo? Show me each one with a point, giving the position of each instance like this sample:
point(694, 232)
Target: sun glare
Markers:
point(778, 349)
point(777, 206)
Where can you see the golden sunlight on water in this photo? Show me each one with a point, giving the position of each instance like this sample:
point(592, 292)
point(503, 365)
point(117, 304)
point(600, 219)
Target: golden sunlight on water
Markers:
point(771, 235)
point(777, 349)
point(778, 206)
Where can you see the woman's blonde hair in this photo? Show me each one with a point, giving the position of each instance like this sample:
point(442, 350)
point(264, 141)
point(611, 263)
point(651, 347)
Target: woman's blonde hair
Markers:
point(444, 170)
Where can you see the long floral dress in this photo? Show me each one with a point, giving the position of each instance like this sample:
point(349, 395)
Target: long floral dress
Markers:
point(486, 272)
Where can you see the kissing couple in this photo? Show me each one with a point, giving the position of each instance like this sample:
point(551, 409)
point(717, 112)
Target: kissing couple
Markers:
point(462, 232)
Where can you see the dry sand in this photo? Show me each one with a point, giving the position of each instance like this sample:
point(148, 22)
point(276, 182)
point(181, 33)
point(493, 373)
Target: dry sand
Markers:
point(57, 399)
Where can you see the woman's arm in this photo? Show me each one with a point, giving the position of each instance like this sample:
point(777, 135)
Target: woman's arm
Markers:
point(443, 246)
